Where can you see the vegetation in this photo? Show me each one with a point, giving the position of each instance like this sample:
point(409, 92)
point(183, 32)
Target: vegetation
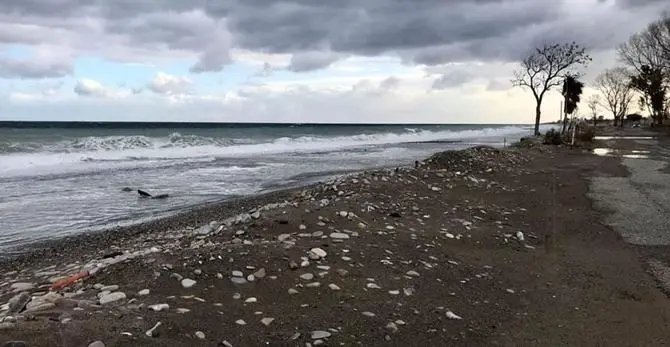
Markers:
point(552, 137)
point(644, 76)
point(593, 103)
point(545, 68)
point(615, 87)
point(586, 134)
point(647, 55)
point(572, 93)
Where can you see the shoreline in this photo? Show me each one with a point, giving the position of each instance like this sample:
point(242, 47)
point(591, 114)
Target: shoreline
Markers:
point(186, 218)
point(473, 248)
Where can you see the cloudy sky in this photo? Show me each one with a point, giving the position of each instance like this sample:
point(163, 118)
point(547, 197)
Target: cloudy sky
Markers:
point(292, 60)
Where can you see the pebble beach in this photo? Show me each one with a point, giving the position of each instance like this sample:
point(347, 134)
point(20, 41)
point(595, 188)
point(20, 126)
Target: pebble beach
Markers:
point(447, 252)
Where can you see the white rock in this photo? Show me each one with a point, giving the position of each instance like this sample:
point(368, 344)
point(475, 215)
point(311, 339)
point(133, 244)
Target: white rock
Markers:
point(143, 292)
point(302, 227)
point(251, 278)
point(200, 335)
point(318, 252)
point(183, 310)
point(519, 236)
point(412, 273)
point(238, 280)
point(187, 283)
point(283, 237)
point(313, 285)
point(22, 286)
point(339, 236)
point(237, 273)
point(219, 275)
point(373, 286)
point(392, 326)
point(368, 314)
point(292, 291)
point(159, 307)
point(111, 297)
point(96, 344)
point(240, 322)
point(344, 213)
point(307, 276)
point(452, 315)
point(334, 286)
point(320, 334)
point(109, 288)
point(256, 215)
point(435, 189)
point(226, 343)
point(251, 300)
point(266, 321)
point(394, 292)
point(150, 332)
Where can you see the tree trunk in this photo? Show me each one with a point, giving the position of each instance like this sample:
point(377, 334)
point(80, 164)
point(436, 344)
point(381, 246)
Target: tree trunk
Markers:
point(616, 121)
point(538, 112)
point(595, 121)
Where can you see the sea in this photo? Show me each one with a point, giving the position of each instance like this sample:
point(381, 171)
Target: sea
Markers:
point(64, 178)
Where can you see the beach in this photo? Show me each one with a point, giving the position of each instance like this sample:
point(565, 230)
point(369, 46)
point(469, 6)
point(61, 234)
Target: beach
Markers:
point(474, 247)
point(82, 177)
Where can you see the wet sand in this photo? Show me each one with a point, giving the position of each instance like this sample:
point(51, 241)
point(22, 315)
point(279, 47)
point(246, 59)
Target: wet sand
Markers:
point(474, 248)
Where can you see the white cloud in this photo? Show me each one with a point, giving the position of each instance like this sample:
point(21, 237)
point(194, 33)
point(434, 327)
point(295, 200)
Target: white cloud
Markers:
point(166, 84)
point(91, 88)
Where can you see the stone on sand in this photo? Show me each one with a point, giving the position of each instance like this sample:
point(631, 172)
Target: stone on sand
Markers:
point(187, 283)
point(112, 297)
point(320, 253)
point(319, 334)
point(21, 286)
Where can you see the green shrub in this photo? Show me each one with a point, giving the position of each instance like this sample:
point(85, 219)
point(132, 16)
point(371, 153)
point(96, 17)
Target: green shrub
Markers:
point(552, 137)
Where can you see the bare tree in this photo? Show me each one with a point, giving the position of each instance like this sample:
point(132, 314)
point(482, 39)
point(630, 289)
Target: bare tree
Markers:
point(614, 85)
point(659, 33)
point(593, 102)
point(648, 53)
point(545, 68)
point(640, 50)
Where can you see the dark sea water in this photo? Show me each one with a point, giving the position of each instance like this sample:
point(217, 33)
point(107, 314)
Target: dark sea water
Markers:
point(57, 179)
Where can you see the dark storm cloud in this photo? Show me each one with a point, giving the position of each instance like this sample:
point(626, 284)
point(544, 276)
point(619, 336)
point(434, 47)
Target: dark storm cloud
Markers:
point(429, 32)
point(377, 26)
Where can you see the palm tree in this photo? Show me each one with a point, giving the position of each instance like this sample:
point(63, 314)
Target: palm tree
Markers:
point(572, 92)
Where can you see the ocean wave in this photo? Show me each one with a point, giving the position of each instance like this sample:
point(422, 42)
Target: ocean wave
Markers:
point(87, 151)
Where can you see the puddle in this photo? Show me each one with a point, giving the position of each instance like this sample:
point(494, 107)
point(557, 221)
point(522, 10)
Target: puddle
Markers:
point(606, 138)
point(602, 151)
point(611, 152)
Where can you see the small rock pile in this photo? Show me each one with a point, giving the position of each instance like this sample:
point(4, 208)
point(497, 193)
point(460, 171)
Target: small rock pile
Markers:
point(478, 159)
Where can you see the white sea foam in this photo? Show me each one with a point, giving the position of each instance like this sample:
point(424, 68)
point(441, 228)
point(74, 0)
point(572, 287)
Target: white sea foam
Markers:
point(121, 152)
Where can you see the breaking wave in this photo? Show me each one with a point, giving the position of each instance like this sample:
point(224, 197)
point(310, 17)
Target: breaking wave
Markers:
point(91, 152)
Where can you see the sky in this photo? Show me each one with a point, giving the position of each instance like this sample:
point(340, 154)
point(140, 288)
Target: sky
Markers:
point(369, 61)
